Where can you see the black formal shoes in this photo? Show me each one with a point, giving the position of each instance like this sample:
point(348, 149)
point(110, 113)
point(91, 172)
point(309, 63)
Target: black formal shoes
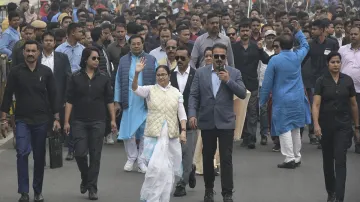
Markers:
point(179, 191)
point(263, 140)
point(70, 156)
point(93, 196)
point(209, 195)
point(298, 164)
point(24, 197)
point(38, 198)
point(227, 198)
point(192, 178)
point(288, 165)
point(331, 197)
point(83, 188)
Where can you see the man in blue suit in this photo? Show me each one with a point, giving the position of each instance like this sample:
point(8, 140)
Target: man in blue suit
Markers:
point(212, 96)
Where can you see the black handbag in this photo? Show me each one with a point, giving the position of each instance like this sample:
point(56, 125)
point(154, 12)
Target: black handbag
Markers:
point(56, 150)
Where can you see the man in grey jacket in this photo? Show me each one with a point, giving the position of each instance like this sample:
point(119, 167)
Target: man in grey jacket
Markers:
point(213, 99)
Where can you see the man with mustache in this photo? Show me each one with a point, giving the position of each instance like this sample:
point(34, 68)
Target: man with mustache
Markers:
point(132, 123)
point(213, 88)
point(208, 39)
point(350, 64)
point(34, 86)
point(181, 78)
point(171, 46)
point(247, 54)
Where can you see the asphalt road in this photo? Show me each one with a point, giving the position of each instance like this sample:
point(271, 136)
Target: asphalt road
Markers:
point(256, 178)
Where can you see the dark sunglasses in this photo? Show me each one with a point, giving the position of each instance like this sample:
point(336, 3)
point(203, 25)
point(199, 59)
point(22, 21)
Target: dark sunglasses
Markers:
point(217, 57)
point(230, 34)
point(275, 46)
point(171, 48)
point(182, 58)
point(95, 58)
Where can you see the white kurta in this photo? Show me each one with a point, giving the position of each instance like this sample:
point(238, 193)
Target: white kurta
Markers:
point(163, 156)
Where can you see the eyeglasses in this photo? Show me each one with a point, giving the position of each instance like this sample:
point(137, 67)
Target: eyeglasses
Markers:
point(161, 75)
point(177, 58)
point(230, 34)
point(218, 56)
point(171, 47)
point(275, 46)
point(95, 58)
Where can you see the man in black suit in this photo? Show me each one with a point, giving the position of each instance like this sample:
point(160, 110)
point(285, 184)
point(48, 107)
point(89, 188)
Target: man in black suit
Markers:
point(181, 78)
point(60, 66)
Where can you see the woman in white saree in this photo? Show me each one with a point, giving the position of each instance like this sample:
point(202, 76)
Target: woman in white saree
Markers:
point(162, 137)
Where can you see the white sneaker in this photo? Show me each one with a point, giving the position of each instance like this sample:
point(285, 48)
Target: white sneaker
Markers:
point(109, 139)
point(129, 166)
point(142, 168)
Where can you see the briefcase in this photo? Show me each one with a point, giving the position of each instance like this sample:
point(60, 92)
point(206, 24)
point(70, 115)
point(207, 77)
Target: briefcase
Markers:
point(55, 149)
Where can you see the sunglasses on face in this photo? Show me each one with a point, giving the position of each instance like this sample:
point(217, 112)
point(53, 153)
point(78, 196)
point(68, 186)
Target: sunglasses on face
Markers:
point(221, 57)
point(230, 34)
point(182, 58)
point(95, 58)
point(276, 46)
point(171, 48)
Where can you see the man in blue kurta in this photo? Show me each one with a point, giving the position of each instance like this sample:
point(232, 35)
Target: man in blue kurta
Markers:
point(132, 123)
point(290, 108)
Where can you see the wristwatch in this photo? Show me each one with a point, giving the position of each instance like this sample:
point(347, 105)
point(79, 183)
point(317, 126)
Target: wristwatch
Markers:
point(183, 129)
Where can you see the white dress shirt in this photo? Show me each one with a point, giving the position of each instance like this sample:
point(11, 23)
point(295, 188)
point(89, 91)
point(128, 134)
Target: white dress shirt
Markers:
point(158, 53)
point(48, 60)
point(262, 66)
point(182, 78)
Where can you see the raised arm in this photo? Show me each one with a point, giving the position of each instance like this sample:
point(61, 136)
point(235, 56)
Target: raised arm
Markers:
point(304, 48)
point(142, 91)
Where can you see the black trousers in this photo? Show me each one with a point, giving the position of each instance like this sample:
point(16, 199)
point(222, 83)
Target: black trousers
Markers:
point(334, 147)
point(88, 139)
point(226, 139)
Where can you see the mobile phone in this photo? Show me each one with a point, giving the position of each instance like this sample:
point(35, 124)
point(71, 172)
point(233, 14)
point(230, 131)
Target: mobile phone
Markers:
point(221, 69)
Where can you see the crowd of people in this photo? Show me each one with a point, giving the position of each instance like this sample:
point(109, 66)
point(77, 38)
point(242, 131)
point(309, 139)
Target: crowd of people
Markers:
point(162, 77)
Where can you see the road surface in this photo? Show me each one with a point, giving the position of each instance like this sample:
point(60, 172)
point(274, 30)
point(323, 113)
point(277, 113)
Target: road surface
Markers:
point(256, 178)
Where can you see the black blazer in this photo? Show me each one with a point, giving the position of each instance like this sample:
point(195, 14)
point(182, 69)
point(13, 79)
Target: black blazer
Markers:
point(62, 72)
point(186, 93)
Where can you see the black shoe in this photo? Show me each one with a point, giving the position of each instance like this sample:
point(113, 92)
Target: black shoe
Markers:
point(288, 165)
point(70, 156)
point(83, 188)
point(192, 178)
point(244, 143)
point(227, 198)
point(38, 198)
point(319, 146)
point(93, 196)
point(314, 141)
point(251, 145)
point(263, 140)
point(276, 148)
point(24, 197)
point(331, 198)
point(217, 171)
point(209, 195)
point(179, 191)
point(298, 164)
point(339, 200)
point(357, 148)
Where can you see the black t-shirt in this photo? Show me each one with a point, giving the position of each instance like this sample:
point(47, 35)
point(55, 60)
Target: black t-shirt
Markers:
point(335, 108)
